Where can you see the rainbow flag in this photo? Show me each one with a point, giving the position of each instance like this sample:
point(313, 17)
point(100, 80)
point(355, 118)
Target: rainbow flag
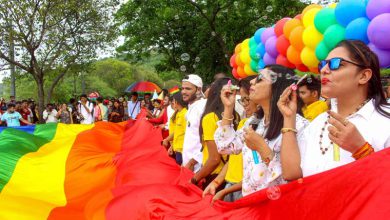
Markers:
point(174, 90)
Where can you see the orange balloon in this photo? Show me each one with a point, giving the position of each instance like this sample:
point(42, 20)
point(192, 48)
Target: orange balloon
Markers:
point(238, 48)
point(296, 38)
point(241, 72)
point(314, 70)
point(294, 55)
point(290, 26)
point(310, 7)
point(299, 17)
point(238, 60)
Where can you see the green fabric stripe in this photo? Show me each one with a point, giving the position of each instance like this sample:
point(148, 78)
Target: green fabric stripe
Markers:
point(14, 144)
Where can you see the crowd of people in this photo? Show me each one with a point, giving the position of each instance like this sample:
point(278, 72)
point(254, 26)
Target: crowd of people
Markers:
point(265, 131)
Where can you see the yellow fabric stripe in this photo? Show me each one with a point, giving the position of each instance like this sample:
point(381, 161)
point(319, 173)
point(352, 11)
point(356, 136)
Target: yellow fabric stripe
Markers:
point(37, 184)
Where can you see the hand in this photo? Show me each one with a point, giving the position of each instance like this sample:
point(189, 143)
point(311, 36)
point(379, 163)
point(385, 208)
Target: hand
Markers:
point(162, 126)
point(344, 133)
point(165, 143)
point(190, 166)
point(288, 106)
point(210, 189)
point(170, 151)
point(219, 196)
point(253, 140)
point(228, 97)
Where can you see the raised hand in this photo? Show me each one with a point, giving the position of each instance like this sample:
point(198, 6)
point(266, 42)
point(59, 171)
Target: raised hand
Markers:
point(287, 103)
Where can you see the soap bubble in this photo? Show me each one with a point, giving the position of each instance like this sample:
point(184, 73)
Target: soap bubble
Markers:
point(264, 17)
point(183, 68)
point(194, 66)
point(288, 76)
point(213, 33)
point(185, 57)
point(269, 8)
point(177, 17)
point(274, 76)
point(197, 59)
point(274, 193)
point(309, 80)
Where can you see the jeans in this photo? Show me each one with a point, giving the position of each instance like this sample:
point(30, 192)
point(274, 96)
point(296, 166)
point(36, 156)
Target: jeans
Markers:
point(179, 158)
point(231, 197)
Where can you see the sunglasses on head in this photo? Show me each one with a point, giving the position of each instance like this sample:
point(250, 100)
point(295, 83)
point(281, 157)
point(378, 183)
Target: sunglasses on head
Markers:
point(335, 63)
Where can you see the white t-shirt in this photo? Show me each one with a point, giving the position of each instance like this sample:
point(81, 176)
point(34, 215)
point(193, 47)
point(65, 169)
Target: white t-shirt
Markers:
point(133, 108)
point(374, 127)
point(50, 117)
point(170, 112)
point(88, 117)
point(192, 146)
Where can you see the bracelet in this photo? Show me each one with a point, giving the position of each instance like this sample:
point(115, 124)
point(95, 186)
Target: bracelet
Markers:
point(285, 130)
point(363, 151)
point(216, 182)
point(229, 119)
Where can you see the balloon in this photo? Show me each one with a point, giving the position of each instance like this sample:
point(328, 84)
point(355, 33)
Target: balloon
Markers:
point(258, 34)
point(253, 66)
point(260, 65)
point(308, 17)
point(333, 5)
point(245, 44)
point(248, 71)
point(235, 74)
point(309, 58)
point(238, 48)
point(311, 37)
point(379, 31)
point(383, 55)
point(244, 55)
point(241, 72)
point(302, 68)
point(252, 42)
point(233, 61)
point(333, 35)
point(268, 59)
point(254, 55)
point(269, 32)
point(270, 46)
point(290, 25)
point(348, 10)
point(324, 19)
point(296, 38)
point(377, 7)
point(260, 49)
point(313, 70)
point(282, 45)
point(239, 60)
point(308, 8)
point(293, 55)
point(357, 30)
point(322, 51)
point(299, 17)
point(282, 60)
point(278, 29)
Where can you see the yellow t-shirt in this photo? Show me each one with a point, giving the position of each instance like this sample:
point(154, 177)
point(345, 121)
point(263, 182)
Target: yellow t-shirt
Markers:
point(314, 109)
point(178, 128)
point(209, 124)
point(235, 168)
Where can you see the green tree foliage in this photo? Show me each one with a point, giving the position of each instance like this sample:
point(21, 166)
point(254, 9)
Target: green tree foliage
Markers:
point(206, 30)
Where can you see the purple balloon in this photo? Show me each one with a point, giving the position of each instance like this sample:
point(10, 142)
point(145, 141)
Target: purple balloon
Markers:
point(383, 55)
point(377, 7)
point(268, 59)
point(269, 32)
point(378, 31)
point(270, 46)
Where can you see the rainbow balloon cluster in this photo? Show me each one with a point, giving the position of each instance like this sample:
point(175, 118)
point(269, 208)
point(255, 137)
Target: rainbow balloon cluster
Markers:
point(302, 41)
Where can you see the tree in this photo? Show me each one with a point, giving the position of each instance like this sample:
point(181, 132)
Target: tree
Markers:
point(195, 36)
point(54, 34)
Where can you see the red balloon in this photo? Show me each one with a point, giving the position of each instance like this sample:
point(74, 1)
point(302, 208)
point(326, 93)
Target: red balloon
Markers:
point(233, 61)
point(302, 68)
point(282, 45)
point(298, 17)
point(235, 74)
point(282, 60)
point(279, 26)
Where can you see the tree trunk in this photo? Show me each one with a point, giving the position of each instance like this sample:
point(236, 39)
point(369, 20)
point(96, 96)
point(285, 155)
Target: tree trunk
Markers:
point(41, 100)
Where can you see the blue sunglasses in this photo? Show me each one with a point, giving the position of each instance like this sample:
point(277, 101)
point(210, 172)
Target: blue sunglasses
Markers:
point(334, 63)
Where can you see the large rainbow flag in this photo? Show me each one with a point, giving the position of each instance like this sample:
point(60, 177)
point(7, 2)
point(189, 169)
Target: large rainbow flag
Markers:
point(120, 171)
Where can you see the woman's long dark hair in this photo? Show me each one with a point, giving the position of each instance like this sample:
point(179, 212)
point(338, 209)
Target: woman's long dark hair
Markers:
point(246, 83)
point(214, 103)
point(277, 88)
point(178, 97)
point(362, 54)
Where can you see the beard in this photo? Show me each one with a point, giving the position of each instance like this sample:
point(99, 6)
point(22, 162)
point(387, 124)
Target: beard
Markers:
point(193, 98)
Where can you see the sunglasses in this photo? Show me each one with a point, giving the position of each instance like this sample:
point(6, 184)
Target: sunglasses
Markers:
point(335, 63)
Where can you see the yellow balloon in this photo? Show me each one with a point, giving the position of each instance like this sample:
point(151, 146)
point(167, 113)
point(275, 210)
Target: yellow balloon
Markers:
point(308, 57)
point(308, 8)
point(245, 57)
point(311, 37)
point(245, 44)
point(308, 18)
point(333, 5)
point(248, 70)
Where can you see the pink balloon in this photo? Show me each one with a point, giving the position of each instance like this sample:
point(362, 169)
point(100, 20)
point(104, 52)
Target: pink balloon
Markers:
point(270, 46)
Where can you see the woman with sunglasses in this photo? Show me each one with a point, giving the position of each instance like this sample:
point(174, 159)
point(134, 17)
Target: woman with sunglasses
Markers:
point(260, 138)
point(358, 126)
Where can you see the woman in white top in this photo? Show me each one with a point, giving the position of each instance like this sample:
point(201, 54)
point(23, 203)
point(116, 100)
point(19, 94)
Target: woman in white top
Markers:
point(359, 126)
point(260, 138)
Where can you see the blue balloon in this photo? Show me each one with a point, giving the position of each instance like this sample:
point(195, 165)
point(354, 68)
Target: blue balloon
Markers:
point(357, 30)
point(260, 49)
point(348, 10)
point(258, 34)
point(260, 65)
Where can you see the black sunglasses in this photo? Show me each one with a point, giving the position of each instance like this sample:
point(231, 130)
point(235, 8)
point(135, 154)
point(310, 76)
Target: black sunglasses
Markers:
point(335, 63)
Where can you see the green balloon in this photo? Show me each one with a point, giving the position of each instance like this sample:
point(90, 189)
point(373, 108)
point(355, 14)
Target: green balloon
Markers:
point(252, 42)
point(254, 66)
point(322, 51)
point(324, 19)
point(333, 35)
point(254, 54)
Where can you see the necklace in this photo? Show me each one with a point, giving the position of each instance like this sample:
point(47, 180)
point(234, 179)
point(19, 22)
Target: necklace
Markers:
point(325, 149)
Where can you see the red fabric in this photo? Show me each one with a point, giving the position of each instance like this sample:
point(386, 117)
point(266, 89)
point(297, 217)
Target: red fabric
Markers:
point(24, 113)
point(163, 119)
point(149, 185)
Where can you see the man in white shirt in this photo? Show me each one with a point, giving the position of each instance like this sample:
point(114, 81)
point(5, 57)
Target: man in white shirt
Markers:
point(50, 114)
point(85, 108)
point(192, 94)
point(134, 106)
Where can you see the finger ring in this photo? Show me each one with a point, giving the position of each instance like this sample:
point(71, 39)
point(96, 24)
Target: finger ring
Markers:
point(345, 122)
